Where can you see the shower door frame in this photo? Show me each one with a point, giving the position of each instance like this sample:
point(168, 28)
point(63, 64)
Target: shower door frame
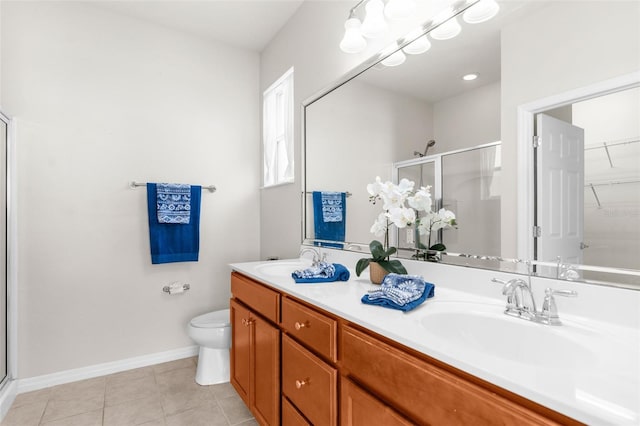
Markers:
point(8, 385)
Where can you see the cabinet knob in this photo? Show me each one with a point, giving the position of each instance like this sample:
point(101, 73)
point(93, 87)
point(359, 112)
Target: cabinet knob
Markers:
point(246, 322)
point(300, 325)
point(301, 383)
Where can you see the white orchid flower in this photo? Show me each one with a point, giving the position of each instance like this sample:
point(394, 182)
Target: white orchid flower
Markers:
point(374, 188)
point(405, 187)
point(421, 200)
point(402, 216)
point(379, 227)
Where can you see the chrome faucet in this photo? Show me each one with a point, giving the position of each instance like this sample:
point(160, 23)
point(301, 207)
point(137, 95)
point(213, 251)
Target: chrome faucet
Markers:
point(521, 302)
point(317, 257)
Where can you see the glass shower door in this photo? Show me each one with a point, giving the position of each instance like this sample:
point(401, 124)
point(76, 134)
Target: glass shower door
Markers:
point(3, 247)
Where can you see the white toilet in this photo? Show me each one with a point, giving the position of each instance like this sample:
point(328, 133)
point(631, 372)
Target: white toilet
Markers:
point(212, 331)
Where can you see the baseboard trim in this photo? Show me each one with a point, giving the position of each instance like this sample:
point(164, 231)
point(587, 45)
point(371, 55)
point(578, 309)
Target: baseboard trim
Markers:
point(67, 376)
point(7, 396)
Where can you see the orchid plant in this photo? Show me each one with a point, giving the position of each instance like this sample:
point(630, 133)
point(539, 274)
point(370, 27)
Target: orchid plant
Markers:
point(401, 207)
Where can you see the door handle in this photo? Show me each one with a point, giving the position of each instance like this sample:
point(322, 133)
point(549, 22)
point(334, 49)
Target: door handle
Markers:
point(583, 246)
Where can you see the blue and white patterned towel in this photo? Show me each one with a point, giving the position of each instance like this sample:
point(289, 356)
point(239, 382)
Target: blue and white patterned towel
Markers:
point(173, 203)
point(332, 207)
point(322, 270)
point(403, 292)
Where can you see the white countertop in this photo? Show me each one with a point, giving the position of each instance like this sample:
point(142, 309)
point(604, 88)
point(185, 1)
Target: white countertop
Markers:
point(598, 386)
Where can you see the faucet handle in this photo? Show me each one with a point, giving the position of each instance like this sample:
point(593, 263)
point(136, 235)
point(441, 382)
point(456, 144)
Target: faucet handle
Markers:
point(549, 314)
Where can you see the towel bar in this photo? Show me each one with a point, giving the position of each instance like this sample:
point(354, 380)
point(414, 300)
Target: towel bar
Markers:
point(167, 289)
point(134, 184)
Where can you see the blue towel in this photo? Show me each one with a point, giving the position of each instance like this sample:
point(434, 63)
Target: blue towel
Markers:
point(173, 203)
point(323, 273)
point(332, 231)
point(403, 292)
point(172, 242)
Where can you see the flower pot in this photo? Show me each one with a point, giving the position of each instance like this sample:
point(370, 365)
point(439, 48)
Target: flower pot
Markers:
point(376, 273)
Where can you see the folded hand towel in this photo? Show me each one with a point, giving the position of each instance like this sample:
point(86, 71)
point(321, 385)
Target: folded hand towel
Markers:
point(323, 273)
point(403, 292)
point(331, 206)
point(173, 203)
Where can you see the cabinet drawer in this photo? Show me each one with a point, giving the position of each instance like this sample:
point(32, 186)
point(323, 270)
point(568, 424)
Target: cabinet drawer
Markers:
point(261, 299)
point(424, 392)
point(359, 408)
point(309, 383)
point(310, 327)
point(291, 416)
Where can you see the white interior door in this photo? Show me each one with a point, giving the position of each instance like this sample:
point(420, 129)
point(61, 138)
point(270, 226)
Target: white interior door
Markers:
point(559, 190)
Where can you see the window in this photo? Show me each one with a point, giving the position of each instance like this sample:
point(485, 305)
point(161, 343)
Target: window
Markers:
point(277, 131)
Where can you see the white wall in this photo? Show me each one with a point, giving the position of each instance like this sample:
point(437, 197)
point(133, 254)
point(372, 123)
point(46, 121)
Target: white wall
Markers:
point(469, 119)
point(101, 100)
point(600, 40)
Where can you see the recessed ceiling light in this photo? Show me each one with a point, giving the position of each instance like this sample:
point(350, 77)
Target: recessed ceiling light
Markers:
point(470, 77)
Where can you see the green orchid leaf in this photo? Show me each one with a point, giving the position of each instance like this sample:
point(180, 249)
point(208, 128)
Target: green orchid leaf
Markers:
point(362, 265)
point(438, 247)
point(389, 252)
point(393, 266)
point(377, 251)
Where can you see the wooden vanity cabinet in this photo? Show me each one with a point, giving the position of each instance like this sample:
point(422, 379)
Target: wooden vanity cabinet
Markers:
point(288, 357)
point(255, 349)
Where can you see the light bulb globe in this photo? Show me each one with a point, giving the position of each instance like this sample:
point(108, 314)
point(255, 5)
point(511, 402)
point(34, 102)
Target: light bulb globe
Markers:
point(353, 42)
point(481, 12)
point(447, 30)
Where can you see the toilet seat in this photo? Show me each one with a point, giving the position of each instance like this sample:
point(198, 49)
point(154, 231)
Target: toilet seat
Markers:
point(212, 320)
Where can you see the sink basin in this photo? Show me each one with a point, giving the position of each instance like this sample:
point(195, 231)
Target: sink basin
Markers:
point(282, 267)
point(496, 335)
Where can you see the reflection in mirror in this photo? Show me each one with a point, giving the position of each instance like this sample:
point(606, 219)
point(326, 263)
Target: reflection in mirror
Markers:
point(604, 197)
point(386, 114)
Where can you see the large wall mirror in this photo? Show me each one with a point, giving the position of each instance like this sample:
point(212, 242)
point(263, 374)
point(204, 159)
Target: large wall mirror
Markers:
point(579, 188)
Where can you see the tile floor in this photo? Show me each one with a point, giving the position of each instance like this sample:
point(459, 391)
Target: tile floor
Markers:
point(163, 394)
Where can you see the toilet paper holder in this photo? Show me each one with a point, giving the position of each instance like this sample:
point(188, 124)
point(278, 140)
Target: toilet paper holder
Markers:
point(176, 288)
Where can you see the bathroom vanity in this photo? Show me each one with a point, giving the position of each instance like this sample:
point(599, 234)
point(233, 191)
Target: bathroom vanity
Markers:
point(313, 354)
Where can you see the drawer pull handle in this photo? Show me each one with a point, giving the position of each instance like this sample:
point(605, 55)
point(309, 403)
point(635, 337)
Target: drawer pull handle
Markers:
point(301, 383)
point(301, 325)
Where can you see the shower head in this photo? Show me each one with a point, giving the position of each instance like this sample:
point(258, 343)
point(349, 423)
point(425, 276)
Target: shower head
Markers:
point(429, 145)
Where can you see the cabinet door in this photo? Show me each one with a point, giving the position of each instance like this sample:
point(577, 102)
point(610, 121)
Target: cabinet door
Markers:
point(359, 408)
point(266, 366)
point(240, 350)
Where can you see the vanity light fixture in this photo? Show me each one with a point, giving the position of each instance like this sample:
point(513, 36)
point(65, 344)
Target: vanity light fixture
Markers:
point(374, 25)
point(399, 9)
point(481, 12)
point(394, 60)
point(470, 77)
point(353, 41)
point(447, 30)
point(418, 46)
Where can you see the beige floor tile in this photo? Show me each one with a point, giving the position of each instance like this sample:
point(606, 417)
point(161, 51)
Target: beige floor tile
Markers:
point(222, 390)
point(156, 422)
point(93, 418)
point(173, 403)
point(25, 415)
point(118, 393)
point(235, 409)
point(135, 412)
point(84, 389)
point(174, 381)
point(207, 415)
point(251, 422)
point(41, 395)
point(62, 408)
point(174, 365)
point(125, 376)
